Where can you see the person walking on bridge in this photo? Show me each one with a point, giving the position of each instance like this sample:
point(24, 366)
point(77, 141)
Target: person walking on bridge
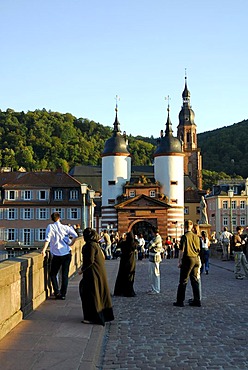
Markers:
point(189, 263)
point(61, 238)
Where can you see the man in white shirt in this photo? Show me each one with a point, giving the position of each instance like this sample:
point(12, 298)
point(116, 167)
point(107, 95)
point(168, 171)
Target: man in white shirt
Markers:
point(155, 250)
point(59, 237)
point(225, 239)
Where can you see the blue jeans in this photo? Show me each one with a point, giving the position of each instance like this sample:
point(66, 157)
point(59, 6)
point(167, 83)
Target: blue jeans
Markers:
point(64, 263)
point(206, 260)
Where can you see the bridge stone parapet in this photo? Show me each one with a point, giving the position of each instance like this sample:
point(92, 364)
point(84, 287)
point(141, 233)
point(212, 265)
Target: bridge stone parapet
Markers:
point(25, 284)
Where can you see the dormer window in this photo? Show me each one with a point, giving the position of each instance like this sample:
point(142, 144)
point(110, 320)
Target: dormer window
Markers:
point(73, 195)
point(27, 195)
point(42, 195)
point(58, 195)
point(11, 195)
point(132, 193)
point(152, 193)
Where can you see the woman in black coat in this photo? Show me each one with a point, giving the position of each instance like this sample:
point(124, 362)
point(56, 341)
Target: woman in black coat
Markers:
point(93, 288)
point(125, 278)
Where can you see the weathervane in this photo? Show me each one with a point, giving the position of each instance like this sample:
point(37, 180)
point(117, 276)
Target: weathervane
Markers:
point(117, 98)
point(168, 98)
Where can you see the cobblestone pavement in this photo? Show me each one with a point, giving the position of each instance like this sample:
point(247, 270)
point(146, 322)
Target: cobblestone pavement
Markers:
point(150, 333)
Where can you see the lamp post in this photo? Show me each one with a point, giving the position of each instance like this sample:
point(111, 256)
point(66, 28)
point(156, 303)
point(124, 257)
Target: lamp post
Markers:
point(176, 230)
point(84, 188)
point(230, 194)
point(91, 195)
point(182, 229)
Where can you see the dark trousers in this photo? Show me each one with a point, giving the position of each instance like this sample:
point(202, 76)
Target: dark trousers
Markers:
point(190, 269)
point(64, 263)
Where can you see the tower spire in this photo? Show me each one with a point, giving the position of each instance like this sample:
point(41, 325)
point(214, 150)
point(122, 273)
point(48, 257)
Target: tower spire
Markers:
point(116, 123)
point(168, 127)
point(186, 93)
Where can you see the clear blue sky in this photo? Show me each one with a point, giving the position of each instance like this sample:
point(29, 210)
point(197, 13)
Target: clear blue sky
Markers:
point(76, 55)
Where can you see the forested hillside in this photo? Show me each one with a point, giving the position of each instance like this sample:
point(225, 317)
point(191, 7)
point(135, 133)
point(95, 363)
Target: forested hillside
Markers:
point(50, 140)
point(226, 149)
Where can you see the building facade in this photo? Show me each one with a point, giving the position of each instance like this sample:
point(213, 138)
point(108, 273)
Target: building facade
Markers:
point(27, 201)
point(227, 205)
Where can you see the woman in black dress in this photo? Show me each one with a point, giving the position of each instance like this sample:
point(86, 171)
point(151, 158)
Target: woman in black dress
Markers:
point(125, 278)
point(93, 288)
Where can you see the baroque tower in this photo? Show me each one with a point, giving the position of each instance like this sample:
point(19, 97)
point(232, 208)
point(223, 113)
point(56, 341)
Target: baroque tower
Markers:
point(116, 171)
point(168, 171)
point(186, 132)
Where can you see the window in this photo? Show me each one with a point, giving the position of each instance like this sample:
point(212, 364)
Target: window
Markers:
point(198, 210)
point(73, 213)
point(174, 201)
point(225, 221)
point(233, 204)
point(12, 214)
point(42, 195)
point(42, 214)
point(234, 221)
point(27, 239)
point(40, 234)
point(225, 204)
point(132, 193)
point(74, 195)
point(111, 182)
point(26, 213)
point(152, 193)
point(174, 183)
point(242, 221)
point(27, 195)
point(186, 210)
point(58, 195)
point(11, 235)
point(11, 195)
point(242, 204)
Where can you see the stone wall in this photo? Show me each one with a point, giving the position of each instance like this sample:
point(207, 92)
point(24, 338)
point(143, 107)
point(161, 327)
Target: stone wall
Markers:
point(25, 284)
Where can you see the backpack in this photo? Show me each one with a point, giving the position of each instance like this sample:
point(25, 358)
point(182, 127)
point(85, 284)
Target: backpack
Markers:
point(226, 240)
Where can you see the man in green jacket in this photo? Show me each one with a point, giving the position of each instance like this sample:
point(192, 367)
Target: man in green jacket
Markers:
point(189, 263)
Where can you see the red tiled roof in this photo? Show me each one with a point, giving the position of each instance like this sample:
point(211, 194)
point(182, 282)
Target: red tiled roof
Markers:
point(37, 179)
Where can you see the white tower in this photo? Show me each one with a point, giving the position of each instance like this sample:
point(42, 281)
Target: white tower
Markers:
point(169, 172)
point(116, 171)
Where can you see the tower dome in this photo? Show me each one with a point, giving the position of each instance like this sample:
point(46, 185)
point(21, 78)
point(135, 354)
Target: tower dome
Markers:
point(168, 143)
point(117, 143)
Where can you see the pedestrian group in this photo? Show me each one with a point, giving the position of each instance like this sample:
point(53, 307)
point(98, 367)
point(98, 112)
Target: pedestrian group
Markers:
point(192, 253)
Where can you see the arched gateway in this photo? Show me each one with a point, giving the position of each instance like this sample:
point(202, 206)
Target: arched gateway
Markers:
point(143, 227)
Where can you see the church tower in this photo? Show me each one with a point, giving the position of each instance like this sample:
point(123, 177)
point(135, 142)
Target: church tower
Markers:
point(116, 171)
point(186, 132)
point(169, 172)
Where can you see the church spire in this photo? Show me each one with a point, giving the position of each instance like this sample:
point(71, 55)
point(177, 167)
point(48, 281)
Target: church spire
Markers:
point(186, 93)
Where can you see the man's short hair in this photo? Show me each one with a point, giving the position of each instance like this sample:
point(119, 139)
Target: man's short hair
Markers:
point(188, 223)
point(55, 216)
point(239, 228)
